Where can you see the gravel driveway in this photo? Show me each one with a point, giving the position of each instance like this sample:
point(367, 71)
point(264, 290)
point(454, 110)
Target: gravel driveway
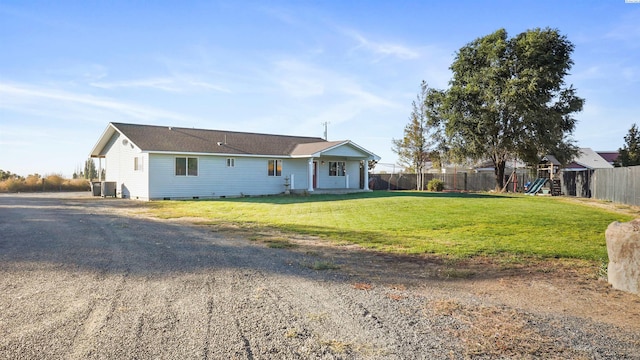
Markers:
point(88, 278)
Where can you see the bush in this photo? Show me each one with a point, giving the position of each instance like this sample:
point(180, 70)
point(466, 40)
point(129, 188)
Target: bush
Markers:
point(35, 183)
point(76, 185)
point(54, 181)
point(435, 185)
point(11, 185)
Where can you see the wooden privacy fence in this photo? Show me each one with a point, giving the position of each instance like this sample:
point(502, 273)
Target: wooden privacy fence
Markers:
point(621, 185)
point(452, 182)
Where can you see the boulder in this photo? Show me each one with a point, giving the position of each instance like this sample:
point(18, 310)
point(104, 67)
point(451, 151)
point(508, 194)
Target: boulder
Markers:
point(623, 247)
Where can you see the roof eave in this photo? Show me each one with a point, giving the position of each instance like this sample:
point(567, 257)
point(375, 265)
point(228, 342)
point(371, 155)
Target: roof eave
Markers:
point(102, 141)
point(370, 155)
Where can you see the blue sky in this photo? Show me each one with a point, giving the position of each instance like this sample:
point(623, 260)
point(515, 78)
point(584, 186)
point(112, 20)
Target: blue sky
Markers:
point(67, 69)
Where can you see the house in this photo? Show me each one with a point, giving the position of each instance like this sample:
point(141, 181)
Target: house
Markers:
point(588, 159)
point(161, 162)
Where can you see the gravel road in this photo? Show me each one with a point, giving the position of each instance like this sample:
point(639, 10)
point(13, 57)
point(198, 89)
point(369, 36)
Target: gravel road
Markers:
point(88, 278)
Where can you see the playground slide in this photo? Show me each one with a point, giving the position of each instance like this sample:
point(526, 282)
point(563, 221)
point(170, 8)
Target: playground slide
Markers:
point(531, 186)
point(535, 187)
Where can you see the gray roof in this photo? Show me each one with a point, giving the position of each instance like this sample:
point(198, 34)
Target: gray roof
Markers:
point(591, 160)
point(151, 138)
point(315, 147)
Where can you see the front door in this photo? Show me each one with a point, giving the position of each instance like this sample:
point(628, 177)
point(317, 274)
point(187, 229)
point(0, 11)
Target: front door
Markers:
point(315, 174)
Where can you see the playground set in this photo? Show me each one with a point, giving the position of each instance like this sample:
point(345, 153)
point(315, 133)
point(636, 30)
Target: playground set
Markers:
point(548, 178)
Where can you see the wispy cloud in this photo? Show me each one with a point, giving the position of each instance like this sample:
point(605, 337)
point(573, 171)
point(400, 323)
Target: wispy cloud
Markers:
point(299, 79)
point(170, 84)
point(281, 14)
point(382, 48)
point(627, 29)
point(302, 79)
point(27, 99)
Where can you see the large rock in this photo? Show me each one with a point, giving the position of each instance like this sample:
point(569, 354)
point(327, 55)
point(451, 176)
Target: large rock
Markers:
point(623, 246)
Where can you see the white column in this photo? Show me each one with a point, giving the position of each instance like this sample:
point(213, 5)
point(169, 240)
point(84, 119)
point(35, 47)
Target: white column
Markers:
point(292, 181)
point(346, 179)
point(310, 188)
point(366, 175)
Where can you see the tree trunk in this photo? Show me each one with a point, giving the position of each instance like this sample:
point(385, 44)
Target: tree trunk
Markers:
point(499, 172)
point(419, 179)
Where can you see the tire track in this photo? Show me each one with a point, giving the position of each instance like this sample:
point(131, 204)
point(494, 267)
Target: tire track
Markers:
point(99, 312)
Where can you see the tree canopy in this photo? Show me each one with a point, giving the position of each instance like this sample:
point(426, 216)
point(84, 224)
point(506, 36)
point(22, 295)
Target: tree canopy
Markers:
point(90, 171)
point(630, 152)
point(508, 99)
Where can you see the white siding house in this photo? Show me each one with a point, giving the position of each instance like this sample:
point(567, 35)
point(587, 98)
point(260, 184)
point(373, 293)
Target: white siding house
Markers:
point(157, 162)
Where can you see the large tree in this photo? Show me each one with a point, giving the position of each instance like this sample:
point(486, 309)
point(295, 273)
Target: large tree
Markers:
point(508, 99)
point(417, 144)
point(630, 153)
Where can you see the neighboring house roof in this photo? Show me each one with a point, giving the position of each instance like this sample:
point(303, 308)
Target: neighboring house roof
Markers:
point(488, 166)
point(588, 159)
point(151, 138)
point(609, 156)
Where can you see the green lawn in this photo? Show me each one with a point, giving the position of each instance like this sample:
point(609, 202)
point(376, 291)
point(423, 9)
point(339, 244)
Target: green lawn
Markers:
point(457, 225)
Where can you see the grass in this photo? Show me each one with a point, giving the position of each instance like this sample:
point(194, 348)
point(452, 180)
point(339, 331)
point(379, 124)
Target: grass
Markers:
point(320, 265)
point(457, 225)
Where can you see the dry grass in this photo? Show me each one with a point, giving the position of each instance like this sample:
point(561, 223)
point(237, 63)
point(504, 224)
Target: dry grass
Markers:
point(35, 183)
point(499, 332)
point(362, 286)
point(336, 346)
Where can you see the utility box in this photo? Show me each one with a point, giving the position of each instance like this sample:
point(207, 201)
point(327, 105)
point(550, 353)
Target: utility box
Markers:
point(95, 188)
point(108, 188)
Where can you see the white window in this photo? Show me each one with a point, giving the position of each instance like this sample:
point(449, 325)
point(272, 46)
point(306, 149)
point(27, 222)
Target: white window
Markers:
point(274, 168)
point(231, 162)
point(337, 168)
point(137, 163)
point(186, 166)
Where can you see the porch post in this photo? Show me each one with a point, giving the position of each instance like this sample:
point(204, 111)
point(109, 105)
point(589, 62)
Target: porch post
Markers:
point(310, 175)
point(366, 175)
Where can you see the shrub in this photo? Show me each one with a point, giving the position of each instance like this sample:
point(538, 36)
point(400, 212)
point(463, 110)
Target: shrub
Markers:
point(435, 185)
point(11, 185)
point(35, 183)
point(77, 185)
